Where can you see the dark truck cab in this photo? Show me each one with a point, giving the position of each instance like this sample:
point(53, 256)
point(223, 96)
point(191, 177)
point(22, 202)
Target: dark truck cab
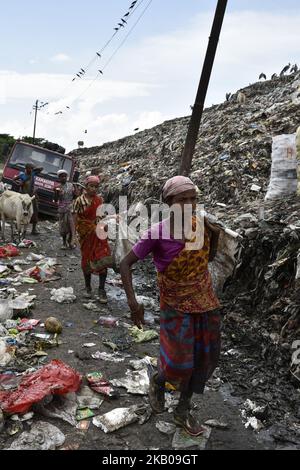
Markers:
point(45, 182)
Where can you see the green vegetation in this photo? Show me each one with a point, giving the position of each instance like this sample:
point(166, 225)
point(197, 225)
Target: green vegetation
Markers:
point(7, 141)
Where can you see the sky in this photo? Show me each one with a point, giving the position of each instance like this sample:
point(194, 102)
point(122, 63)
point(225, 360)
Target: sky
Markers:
point(148, 77)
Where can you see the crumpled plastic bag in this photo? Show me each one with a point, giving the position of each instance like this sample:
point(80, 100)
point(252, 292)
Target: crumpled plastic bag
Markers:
point(42, 436)
point(63, 295)
point(5, 357)
point(119, 418)
point(136, 382)
point(6, 311)
point(55, 378)
point(142, 336)
point(9, 251)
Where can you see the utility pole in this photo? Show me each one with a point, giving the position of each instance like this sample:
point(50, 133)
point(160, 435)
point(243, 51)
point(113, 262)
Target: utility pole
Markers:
point(191, 139)
point(36, 107)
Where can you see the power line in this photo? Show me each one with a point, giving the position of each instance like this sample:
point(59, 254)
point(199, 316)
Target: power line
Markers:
point(113, 54)
point(98, 55)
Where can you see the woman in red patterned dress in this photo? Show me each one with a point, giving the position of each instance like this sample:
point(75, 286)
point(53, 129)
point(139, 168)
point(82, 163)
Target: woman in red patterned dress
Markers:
point(95, 252)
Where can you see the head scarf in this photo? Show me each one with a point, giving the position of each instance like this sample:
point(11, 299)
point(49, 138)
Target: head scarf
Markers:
point(177, 185)
point(93, 179)
point(62, 172)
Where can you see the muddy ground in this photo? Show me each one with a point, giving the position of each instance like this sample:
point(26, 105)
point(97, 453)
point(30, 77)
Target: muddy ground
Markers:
point(217, 402)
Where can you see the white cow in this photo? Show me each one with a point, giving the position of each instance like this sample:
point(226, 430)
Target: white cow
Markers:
point(16, 208)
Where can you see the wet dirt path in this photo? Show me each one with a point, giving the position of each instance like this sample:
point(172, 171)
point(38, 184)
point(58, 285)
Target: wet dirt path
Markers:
point(79, 327)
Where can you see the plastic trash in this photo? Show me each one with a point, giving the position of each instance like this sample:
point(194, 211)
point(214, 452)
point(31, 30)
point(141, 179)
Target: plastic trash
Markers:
point(87, 398)
point(165, 428)
point(5, 357)
point(3, 269)
point(27, 244)
point(116, 419)
point(138, 364)
point(214, 423)
point(142, 336)
point(107, 321)
point(9, 381)
point(40, 273)
point(55, 378)
point(84, 414)
point(104, 356)
point(27, 324)
point(136, 382)
point(100, 385)
point(22, 302)
point(34, 257)
point(9, 251)
point(284, 180)
point(63, 295)
point(6, 312)
point(61, 407)
point(182, 440)
point(42, 436)
point(91, 306)
point(3, 331)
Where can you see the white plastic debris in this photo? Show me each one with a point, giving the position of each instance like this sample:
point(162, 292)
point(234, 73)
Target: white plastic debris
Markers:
point(138, 364)
point(62, 407)
point(42, 436)
point(116, 419)
point(3, 268)
point(22, 302)
point(86, 398)
point(63, 295)
point(34, 257)
point(182, 440)
point(108, 357)
point(91, 306)
point(6, 312)
point(255, 188)
point(214, 423)
point(5, 357)
point(255, 424)
point(136, 382)
point(166, 428)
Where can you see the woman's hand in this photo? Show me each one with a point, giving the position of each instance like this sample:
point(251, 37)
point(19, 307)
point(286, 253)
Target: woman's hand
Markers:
point(137, 313)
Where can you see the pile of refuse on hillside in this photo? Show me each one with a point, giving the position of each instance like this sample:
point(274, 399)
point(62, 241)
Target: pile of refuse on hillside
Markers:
point(232, 159)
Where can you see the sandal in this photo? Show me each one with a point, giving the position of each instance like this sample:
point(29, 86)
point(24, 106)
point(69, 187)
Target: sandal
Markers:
point(189, 424)
point(102, 296)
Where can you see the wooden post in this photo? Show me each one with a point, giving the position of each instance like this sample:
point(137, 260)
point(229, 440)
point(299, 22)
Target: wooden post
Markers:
point(191, 139)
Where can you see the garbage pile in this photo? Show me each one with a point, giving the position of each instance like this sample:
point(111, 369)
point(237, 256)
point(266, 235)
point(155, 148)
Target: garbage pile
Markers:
point(233, 154)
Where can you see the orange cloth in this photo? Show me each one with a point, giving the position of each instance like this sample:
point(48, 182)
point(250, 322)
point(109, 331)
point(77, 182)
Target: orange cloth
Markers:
point(186, 283)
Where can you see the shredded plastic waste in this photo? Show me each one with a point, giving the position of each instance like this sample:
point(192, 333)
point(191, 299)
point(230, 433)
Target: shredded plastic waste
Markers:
point(55, 378)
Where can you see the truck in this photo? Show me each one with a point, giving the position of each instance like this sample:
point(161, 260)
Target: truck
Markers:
point(45, 183)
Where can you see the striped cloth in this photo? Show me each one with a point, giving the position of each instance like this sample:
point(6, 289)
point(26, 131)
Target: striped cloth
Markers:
point(189, 348)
